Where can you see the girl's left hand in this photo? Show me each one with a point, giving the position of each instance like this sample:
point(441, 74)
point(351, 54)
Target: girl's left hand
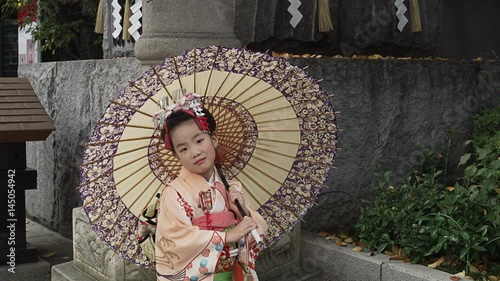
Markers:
point(236, 194)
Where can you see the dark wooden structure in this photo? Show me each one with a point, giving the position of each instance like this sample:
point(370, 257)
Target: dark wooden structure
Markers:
point(22, 119)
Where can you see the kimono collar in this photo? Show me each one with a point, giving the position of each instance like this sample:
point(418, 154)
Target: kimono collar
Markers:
point(197, 179)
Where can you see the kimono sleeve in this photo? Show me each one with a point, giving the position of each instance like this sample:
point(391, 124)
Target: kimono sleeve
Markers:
point(182, 249)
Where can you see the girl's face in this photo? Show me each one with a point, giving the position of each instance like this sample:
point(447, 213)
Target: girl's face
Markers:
point(194, 148)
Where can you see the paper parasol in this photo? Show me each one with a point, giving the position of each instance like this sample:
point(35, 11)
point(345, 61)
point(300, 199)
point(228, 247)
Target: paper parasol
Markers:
point(276, 129)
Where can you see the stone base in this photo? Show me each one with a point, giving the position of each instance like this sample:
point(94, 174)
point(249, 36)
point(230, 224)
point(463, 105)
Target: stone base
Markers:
point(152, 51)
point(93, 259)
point(37, 271)
point(68, 271)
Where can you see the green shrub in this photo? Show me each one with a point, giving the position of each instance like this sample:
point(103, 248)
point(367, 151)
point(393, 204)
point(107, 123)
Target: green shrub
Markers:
point(427, 218)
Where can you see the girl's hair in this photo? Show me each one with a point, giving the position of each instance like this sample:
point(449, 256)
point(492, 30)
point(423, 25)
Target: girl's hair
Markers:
point(178, 117)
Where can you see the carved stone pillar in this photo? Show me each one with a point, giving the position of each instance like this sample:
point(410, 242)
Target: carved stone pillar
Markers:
point(173, 26)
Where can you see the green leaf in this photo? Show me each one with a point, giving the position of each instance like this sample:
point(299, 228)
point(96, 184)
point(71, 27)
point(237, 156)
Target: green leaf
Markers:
point(464, 159)
point(482, 153)
point(479, 248)
point(489, 184)
point(466, 236)
point(464, 252)
point(470, 171)
point(382, 247)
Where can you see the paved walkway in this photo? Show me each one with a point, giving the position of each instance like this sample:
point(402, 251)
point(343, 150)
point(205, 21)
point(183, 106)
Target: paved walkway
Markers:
point(52, 248)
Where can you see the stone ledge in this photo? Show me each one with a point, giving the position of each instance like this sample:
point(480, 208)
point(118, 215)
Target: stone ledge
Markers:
point(68, 271)
point(342, 264)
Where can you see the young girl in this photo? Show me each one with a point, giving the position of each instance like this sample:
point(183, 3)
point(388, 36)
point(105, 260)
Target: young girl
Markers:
point(198, 225)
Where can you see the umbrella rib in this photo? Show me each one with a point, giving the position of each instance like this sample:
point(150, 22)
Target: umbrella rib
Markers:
point(292, 143)
point(298, 130)
point(277, 97)
point(268, 193)
point(129, 230)
point(211, 70)
point(248, 88)
point(115, 141)
point(133, 109)
point(225, 79)
point(109, 207)
point(149, 97)
point(177, 72)
point(279, 84)
point(275, 152)
point(245, 75)
point(259, 93)
point(229, 123)
point(146, 188)
point(302, 159)
point(162, 83)
point(110, 156)
point(287, 171)
point(112, 170)
point(125, 125)
point(96, 179)
point(296, 117)
point(280, 141)
point(263, 208)
point(194, 70)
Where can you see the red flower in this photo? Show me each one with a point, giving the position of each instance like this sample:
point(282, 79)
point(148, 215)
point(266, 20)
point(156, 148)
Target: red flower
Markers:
point(205, 253)
point(216, 240)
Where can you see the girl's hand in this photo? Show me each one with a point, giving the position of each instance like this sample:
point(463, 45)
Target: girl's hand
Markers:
point(241, 229)
point(236, 194)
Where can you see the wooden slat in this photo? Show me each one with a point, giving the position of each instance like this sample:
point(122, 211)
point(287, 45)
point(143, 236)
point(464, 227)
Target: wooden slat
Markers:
point(16, 93)
point(22, 116)
point(22, 112)
point(15, 86)
point(23, 136)
point(20, 105)
point(4, 80)
point(19, 99)
point(25, 119)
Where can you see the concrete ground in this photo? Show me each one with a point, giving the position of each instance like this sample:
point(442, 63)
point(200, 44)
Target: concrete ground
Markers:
point(52, 249)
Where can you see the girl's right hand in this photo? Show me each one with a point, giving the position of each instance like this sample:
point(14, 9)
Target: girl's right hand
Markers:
point(241, 229)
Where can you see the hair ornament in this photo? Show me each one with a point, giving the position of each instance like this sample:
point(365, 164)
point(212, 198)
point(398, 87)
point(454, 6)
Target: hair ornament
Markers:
point(189, 103)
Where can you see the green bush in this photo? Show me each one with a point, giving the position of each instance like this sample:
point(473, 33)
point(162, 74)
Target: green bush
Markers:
point(427, 218)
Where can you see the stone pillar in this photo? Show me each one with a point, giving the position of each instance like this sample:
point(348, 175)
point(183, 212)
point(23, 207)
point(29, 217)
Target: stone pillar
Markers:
point(172, 26)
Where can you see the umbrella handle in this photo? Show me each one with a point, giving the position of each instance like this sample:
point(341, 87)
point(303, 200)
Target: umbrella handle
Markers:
point(254, 232)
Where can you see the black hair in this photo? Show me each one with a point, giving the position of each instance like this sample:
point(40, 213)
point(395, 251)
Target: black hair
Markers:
point(178, 117)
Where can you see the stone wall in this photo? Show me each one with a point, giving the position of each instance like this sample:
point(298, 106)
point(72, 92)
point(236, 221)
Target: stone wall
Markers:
point(391, 110)
point(74, 94)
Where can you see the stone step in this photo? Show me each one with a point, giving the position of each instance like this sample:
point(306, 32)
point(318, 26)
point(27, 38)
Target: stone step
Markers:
point(299, 274)
point(68, 272)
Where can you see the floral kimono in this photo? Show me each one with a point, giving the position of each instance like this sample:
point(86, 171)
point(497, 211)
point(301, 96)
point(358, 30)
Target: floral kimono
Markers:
point(190, 237)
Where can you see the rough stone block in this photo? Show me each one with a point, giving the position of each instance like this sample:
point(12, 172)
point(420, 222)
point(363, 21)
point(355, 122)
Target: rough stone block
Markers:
point(74, 94)
point(337, 263)
point(393, 270)
point(93, 257)
point(68, 272)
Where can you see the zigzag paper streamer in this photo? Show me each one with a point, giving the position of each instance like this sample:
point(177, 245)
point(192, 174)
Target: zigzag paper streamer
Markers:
point(400, 14)
point(135, 20)
point(117, 18)
point(293, 9)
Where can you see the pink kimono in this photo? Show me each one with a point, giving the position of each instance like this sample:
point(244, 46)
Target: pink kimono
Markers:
point(190, 241)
